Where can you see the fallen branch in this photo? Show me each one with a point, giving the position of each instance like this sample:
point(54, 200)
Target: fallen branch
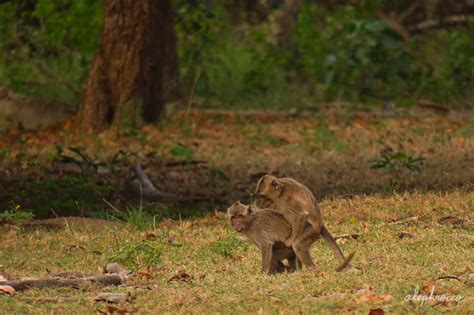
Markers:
point(148, 190)
point(20, 285)
point(410, 219)
point(116, 275)
point(429, 105)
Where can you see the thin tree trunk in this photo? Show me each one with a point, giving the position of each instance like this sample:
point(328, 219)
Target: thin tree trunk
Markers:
point(286, 22)
point(135, 65)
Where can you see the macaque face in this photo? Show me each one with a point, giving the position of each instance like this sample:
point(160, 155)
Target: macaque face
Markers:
point(239, 216)
point(269, 187)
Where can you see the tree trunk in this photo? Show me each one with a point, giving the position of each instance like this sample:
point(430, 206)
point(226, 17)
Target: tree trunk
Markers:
point(285, 23)
point(135, 67)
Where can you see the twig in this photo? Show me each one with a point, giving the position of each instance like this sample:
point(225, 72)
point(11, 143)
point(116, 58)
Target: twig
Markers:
point(452, 20)
point(395, 25)
point(181, 163)
point(410, 219)
point(54, 76)
point(150, 192)
point(48, 299)
point(448, 277)
point(347, 236)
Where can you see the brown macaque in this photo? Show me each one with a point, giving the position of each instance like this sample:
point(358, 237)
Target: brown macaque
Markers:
point(298, 205)
point(268, 230)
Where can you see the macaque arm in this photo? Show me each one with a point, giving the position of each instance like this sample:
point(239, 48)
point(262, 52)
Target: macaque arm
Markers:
point(267, 257)
point(296, 228)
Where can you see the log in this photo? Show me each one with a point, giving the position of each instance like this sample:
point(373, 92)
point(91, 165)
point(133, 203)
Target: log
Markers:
point(110, 279)
point(115, 275)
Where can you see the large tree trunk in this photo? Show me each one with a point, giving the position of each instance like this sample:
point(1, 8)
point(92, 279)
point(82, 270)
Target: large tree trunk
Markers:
point(135, 65)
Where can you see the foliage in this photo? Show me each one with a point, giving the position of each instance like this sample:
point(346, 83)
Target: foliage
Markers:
point(180, 150)
point(229, 246)
point(136, 217)
point(47, 43)
point(135, 254)
point(16, 216)
point(345, 52)
point(394, 164)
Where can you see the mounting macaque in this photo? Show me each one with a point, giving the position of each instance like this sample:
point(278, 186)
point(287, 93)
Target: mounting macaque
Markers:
point(298, 206)
point(268, 230)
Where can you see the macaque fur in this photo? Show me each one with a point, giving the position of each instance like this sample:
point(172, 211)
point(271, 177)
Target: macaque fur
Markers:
point(267, 230)
point(298, 205)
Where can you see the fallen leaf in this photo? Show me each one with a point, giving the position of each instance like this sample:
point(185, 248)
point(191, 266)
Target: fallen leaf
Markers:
point(376, 311)
point(451, 220)
point(7, 289)
point(182, 276)
point(144, 274)
point(168, 240)
point(77, 247)
point(152, 235)
point(372, 297)
point(404, 234)
point(432, 286)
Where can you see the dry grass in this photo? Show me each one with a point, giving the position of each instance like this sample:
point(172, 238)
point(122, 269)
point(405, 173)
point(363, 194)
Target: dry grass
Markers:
point(225, 267)
point(331, 153)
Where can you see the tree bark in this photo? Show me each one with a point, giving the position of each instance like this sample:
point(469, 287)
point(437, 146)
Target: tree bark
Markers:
point(135, 66)
point(286, 22)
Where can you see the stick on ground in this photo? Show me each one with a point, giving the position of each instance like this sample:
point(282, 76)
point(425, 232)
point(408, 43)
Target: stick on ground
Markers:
point(148, 190)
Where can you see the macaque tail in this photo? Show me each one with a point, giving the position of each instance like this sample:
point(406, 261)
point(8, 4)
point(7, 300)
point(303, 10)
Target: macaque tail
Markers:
point(332, 243)
point(346, 262)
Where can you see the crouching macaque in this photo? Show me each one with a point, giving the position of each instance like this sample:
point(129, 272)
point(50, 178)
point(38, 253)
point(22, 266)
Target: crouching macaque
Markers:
point(298, 206)
point(268, 230)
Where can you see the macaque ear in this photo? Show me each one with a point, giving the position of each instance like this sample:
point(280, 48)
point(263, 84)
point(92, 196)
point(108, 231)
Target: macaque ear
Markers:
point(277, 186)
point(249, 210)
point(260, 181)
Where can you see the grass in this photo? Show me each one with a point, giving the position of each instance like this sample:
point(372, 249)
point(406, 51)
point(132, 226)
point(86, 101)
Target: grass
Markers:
point(331, 151)
point(225, 268)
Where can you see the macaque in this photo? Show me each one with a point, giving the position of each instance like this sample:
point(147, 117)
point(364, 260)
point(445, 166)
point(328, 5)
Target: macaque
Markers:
point(298, 206)
point(268, 230)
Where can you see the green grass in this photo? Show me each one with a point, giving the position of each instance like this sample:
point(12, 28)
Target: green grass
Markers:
point(225, 268)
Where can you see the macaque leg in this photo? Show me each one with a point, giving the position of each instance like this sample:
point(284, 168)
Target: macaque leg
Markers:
point(315, 222)
point(294, 264)
point(267, 259)
point(302, 253)
point(296, 228)
point(280, 267)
